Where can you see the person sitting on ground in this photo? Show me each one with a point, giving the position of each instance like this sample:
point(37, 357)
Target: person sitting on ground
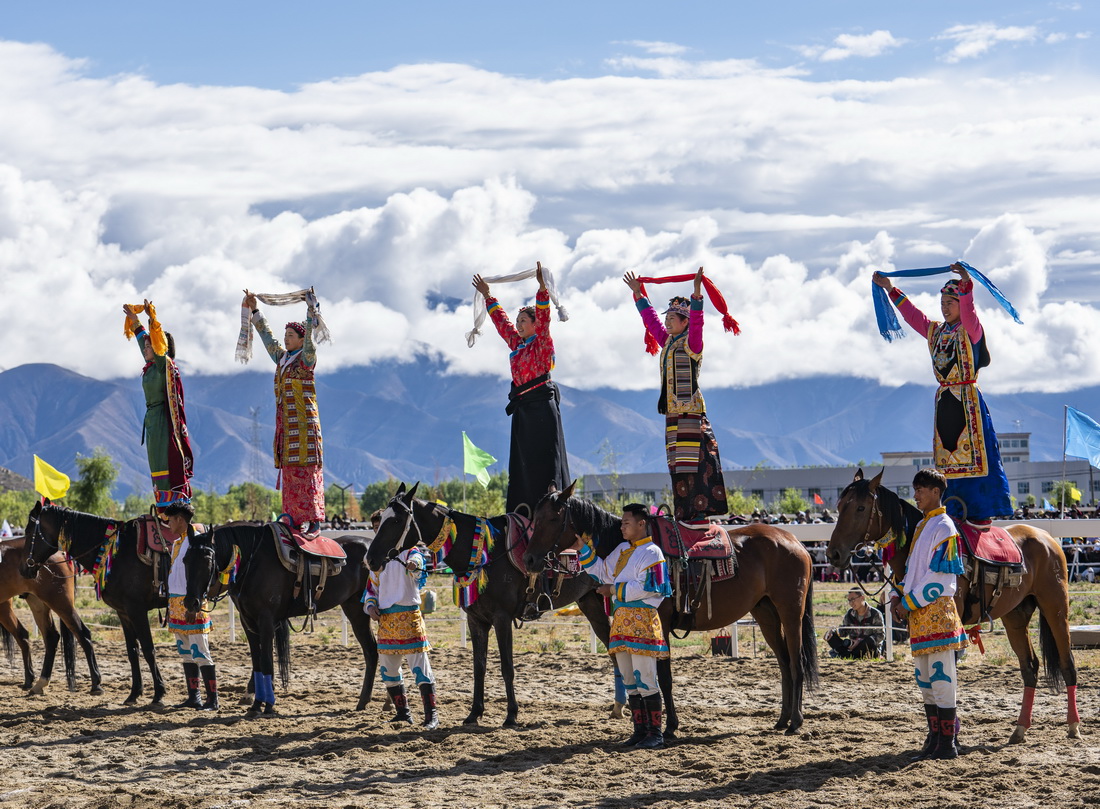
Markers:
point(861, 631)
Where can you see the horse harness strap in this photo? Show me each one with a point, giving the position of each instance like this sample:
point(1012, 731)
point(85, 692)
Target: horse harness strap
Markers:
point(306, 568)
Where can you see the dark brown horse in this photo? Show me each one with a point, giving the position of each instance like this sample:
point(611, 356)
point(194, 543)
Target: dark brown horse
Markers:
point(407, 521)
point(53, 589)
point(868, 512)
point(774, 582)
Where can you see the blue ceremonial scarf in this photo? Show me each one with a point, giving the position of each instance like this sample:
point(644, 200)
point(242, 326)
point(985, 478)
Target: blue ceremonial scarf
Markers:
point(888, 325)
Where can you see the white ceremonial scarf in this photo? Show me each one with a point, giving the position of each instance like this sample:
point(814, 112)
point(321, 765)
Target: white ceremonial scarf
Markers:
point(313, 312)
point(480, 313)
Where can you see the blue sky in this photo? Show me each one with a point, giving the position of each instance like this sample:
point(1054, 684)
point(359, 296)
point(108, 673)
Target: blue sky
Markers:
point(385, 153)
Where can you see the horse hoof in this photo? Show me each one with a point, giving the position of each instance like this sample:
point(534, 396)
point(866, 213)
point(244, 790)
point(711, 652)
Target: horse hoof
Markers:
point(97, 691)
point(247, 699)
point(618, 711)
point(510, 722)
point(791, 731)
point(1018, 735)
point(781, 725)
point(670, 735)
point(1073, 731)
point(470, 720)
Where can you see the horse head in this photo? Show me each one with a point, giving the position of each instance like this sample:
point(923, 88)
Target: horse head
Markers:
point(201, 567)
point(37, 547)
point(859, 519)
point(551, 532)
point(397, 531)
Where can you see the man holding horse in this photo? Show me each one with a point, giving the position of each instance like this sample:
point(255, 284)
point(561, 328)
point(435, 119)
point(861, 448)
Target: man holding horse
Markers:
point(192, 629)
point(927, 597)
point(635, 576)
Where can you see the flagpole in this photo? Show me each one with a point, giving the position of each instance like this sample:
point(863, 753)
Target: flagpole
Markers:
point(1065, 437)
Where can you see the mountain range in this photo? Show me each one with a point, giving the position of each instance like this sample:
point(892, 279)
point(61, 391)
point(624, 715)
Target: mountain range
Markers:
point(405, 420)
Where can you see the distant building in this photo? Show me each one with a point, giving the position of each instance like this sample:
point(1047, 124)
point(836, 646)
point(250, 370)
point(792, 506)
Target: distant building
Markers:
point(1025, 477)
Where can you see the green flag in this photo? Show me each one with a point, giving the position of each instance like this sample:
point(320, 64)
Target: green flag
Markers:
point(475, 461)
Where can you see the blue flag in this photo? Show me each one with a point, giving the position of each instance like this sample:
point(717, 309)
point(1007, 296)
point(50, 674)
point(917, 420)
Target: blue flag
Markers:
point(1082, 436)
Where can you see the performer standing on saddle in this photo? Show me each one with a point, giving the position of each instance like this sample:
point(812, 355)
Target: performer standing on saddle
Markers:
point(698, 486)
point(192, 629)
point(635, 576)
point(164, 430)
point(964, 442)
point(392, 598)
point(297, 447)
point(935, 631)
point(537, 455)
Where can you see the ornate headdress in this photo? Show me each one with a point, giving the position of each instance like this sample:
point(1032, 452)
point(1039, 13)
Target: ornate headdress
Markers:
point(298, 327)
point(952, 288)
point(678, 306)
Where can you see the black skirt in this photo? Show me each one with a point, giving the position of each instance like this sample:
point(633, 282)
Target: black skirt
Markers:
point(537, 456)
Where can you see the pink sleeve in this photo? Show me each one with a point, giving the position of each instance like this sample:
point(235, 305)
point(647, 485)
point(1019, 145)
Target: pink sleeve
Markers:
point(695, 331)
point(652, 323)
point(969, 316)
point(913, 316)
point(542, 312)
point(500, 319)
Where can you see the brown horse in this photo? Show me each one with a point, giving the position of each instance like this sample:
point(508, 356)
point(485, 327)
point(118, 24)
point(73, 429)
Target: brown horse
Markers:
point(868, 512)
point(52, 589)
point(773, 582)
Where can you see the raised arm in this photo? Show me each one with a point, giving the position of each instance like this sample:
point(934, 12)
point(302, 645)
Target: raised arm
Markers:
point(653, 324)
point(968, 314)
point(695, 325)
point(274, 348)
point(309, 349)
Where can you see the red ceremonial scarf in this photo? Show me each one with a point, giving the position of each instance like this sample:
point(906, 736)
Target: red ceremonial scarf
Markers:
point(715, 295)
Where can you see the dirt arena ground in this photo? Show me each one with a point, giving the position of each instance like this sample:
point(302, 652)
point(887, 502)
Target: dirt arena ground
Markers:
point(73, 750)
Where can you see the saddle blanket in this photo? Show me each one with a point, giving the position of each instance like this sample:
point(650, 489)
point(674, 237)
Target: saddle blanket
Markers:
point(153, 535)
point(993, 545)
point(313, 544)
point(696, 541)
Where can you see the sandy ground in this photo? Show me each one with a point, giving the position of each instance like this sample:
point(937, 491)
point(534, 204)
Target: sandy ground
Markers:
point(73, 750)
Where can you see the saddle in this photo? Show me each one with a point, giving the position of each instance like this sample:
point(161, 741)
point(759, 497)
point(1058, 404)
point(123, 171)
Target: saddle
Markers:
point(313, 560)
point(542, 588)
point(697, 557)
point(993, 563)
point(154, 548)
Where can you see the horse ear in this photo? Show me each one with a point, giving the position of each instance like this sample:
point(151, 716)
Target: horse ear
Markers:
point(569, 490)
point(877, 479)
point(412, 491)
point(400, 489)
point(859, 475)
point(553, 487)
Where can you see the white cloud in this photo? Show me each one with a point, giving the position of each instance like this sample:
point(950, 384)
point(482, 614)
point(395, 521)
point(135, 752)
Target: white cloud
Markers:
point(847, 45)
point(659, 48)
point(389, 190)
point(979, 38)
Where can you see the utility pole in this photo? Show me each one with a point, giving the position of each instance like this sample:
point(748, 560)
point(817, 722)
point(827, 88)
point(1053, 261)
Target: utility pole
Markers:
point(254, 469)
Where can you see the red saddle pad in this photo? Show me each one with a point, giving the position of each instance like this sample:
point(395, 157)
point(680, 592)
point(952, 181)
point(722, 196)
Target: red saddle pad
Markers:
point(313, 544)
point(994, 545)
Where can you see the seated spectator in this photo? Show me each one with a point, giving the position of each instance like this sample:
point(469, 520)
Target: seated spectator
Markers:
point(861, 632)
point(1089, 575)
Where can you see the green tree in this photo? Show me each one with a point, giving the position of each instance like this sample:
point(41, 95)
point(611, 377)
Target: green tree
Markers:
point(790, 502)
point(91, 492)
point(376, 495)
point(739, 503)
point(1064, 492)
point(16, 506)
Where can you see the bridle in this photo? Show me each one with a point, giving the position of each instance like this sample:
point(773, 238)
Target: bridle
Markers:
point(54, 547)
point(210, 553)
point(872, 549)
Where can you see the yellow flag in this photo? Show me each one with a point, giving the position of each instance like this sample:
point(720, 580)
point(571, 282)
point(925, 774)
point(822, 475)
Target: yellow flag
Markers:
point(1075, 494)
point(48, 482)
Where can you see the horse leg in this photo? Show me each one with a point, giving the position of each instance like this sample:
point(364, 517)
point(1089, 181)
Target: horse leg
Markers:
point(254, 654)
point(664, 682)
point(360, 625)
point(267, 663)
point(129, 638)
point(50, 636)
point(1015, 623)
point(143, 633)
point(1054, 645)
point(479, 638)
point(72, 620)
point(771, 627)
point(502, 623)
point(18, 632)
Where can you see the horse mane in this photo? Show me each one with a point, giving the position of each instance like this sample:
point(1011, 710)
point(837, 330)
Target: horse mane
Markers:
point(603, 526)
point(903, 516)
point(73, 522)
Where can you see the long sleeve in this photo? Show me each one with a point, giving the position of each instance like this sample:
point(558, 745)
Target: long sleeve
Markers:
point(654, 582)
point(274, 348)
point(695, 326)
point(968, 314)
point(309, 349)
point(594, 565)
point(923, 584)
point(913, 316)
point(542, 314)
point(503, 325)
point(652, 323)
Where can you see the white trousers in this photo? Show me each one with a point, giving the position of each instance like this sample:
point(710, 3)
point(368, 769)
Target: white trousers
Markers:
point(936, 678)
point(639, 673)
point(389, 666)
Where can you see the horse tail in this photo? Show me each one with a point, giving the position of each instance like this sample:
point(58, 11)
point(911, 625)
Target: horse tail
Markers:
point(1052, 670)
point(809, 640)
point(68, 653)
point(282, 651)
point(8, 640)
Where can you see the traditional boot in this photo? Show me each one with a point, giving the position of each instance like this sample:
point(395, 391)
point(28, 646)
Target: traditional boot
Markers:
point(401, 703)
point(651, 708)
point(210, 679)
point(638, 714)
point(947, 747)
point(932, 740)
point(431, 715)
point(191, 674)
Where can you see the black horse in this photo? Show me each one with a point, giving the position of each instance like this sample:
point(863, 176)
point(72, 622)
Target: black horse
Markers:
point(406, 521)
point(128, 589)
point(264, 594)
